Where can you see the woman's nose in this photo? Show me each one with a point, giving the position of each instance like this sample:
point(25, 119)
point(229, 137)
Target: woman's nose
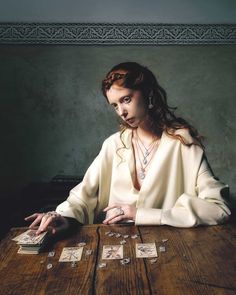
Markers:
point(122, 112)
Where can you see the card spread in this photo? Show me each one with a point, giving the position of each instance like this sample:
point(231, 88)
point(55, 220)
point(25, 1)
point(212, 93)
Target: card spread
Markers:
point(70, 254)
point(146, 250)
point(112, 252)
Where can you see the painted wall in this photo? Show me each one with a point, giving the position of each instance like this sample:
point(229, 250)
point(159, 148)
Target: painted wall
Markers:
point(150, 11)
point(54, 118)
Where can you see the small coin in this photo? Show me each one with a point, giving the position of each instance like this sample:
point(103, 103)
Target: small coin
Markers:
point(162, 248)
point(125, 261)
point(154, 260)
point(164, 240)
point(88, 252)
point(73, 264)
point(81, 244)
point(51, 254)
point(49, 265)
point(123, 242)
point(102, 265)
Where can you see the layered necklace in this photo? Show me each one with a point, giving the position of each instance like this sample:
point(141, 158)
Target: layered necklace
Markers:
point(144, 153)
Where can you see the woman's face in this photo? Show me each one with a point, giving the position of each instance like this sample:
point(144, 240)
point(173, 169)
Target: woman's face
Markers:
point(128, 104)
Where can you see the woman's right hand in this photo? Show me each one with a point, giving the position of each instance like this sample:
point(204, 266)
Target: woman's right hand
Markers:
point(50, 221)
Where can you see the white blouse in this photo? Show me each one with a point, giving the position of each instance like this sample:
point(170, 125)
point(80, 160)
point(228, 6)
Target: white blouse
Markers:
point(179, 188)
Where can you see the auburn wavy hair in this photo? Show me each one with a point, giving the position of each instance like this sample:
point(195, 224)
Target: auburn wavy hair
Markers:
point(162, 118)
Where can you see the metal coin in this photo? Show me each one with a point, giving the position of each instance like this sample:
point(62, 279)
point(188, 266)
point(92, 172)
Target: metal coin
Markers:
point(81, 244)
point(51, 254)
point(162, 248)
point(102, 265)
point(49, 265)
point(125, 261)
point(123, 242)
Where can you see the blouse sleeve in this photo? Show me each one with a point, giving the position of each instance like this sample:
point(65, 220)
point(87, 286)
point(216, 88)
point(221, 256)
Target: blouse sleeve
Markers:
point(208, 207)
point(83, 198)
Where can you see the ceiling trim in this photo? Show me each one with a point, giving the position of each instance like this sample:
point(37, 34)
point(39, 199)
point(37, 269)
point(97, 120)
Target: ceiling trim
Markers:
point(117, 33)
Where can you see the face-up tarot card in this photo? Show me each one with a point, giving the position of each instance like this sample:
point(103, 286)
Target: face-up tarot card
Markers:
point(112, 252)
point(70, 254)
point(146, 250)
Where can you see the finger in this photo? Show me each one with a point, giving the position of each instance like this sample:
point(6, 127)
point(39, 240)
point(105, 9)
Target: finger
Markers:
point(113, 220)
point(56, 228)
point(108, 219)
point(33, 216)
point(36, 221)
point(111, 207)
point(46, 221)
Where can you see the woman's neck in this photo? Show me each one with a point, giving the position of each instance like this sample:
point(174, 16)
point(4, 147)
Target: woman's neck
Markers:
point(145, 133)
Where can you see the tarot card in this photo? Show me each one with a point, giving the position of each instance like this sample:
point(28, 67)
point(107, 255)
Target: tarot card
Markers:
point(146, 250)
point(70, 254)
point(112, 252)
point(17, 238)
point(30, 238)
point(27, 251)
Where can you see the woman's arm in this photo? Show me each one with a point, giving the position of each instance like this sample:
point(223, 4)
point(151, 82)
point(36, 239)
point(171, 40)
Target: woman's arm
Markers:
point(86, 198)
point(208, 207)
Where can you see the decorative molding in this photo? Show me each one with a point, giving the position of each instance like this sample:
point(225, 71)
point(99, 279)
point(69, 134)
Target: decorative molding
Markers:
point(116, 34)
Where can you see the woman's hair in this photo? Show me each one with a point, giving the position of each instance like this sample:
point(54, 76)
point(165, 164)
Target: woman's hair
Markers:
point(162, 118)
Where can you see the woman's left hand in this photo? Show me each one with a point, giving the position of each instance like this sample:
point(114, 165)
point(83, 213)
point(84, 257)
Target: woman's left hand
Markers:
point(119, 213)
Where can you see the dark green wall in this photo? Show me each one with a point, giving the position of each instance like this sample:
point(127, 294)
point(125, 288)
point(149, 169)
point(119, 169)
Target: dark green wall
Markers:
point(122, 11)
point(54, 117)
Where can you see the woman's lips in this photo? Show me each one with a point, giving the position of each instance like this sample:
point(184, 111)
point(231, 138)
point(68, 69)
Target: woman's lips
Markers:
point(130, 121)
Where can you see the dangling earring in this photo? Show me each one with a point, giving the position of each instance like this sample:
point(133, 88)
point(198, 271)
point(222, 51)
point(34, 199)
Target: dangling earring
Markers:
point(150, 105)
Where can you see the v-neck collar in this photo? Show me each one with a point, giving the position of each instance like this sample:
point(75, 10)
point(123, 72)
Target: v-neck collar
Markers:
point(130, 160)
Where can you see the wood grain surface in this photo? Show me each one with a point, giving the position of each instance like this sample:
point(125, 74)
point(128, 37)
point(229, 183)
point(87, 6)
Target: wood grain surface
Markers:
point(197, 261)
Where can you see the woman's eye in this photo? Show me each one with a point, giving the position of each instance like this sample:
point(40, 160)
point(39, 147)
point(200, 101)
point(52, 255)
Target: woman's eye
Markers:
point(127, 99)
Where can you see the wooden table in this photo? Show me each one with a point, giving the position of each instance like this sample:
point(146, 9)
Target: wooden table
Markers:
point(197, 261)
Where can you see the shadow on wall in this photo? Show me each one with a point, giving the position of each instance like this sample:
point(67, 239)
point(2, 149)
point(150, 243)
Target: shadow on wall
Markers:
point(35, 197)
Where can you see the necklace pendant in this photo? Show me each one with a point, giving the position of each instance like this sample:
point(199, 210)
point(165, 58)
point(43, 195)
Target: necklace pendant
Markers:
point(144, 161)
point(146, 153)
point(142, 175)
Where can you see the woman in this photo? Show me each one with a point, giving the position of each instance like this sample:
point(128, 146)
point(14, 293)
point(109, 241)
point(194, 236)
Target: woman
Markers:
point(153, 172)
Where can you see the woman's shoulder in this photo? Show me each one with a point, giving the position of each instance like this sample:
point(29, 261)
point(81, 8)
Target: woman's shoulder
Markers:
point(112, 137)
point(119, 137)
point(117, 141)
point(183, 135)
